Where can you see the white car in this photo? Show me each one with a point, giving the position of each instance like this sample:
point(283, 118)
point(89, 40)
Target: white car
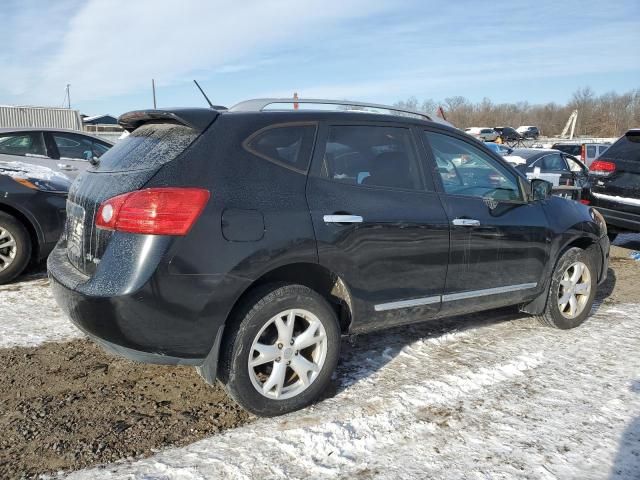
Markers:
point(485, 134)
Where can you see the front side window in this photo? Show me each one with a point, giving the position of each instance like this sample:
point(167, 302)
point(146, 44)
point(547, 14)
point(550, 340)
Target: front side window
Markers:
point(23, 144)
point(286, 145)
point(467, 170)
point(371, 156)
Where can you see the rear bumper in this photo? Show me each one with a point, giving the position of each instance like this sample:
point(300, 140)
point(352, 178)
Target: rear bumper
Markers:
point(619, 219)
point(169, 319)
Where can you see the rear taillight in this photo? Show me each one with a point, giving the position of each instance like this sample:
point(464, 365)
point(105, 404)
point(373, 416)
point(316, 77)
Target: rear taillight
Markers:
point(585, 201)
point(602, 168)
point(583, 153)
point(154, 211)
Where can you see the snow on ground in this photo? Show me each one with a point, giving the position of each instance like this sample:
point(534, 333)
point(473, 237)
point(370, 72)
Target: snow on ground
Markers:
point(29, 314)
point(500, 397)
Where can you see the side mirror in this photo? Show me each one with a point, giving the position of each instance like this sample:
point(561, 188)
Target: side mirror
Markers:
point(540, 189)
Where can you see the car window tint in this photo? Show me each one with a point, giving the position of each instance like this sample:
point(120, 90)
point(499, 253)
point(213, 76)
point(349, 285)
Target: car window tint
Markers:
point(626, 147)
point(371, 156)
point(99, 149)
point(289, 145)
point(552, 161)
point(467, 170)
point(74, 147)
point(591, 151)
point(26, 143)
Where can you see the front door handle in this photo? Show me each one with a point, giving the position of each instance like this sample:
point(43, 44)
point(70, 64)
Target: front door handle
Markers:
point(342, 219)
point(466, 222)
point(66, 166)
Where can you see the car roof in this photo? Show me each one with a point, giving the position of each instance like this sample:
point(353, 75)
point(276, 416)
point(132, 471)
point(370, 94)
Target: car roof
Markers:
point(201, 118)
point(532, 153)
point(50, 129)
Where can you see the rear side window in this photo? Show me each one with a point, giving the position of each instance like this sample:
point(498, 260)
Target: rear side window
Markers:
point(286, 145)
point(148, 146)
point(77, 147)
point(371, 156)
point(625, 148)
point(23, 144)
point(591, 151)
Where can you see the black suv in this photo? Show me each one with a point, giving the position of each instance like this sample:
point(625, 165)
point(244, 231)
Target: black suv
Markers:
point(616, 183)
point(508, 135)
point(247, 241)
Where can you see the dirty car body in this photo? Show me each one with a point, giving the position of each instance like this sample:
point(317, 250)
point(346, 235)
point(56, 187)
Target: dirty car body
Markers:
point(359, 208)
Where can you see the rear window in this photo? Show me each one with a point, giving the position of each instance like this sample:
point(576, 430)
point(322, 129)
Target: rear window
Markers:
point(287, 145)
point(574, 150)
point(625, 148)
point(148, 146)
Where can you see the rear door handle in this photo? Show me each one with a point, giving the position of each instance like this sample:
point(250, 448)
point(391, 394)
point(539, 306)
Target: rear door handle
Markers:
point(466, 222)
point(342, 219)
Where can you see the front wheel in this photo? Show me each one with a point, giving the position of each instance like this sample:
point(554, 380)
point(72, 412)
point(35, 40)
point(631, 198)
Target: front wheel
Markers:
point(281, 351)
point(15, 248)
point(572, 290)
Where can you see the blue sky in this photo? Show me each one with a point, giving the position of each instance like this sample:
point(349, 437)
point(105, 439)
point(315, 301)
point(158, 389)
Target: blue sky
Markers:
point(108, 50)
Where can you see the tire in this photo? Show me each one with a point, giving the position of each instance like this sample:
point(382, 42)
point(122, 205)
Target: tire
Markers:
point(255, 388)
point(561, 288)
point(15, 248)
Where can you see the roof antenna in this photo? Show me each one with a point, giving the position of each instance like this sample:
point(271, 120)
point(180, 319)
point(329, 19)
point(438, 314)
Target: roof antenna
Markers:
point(204, 94)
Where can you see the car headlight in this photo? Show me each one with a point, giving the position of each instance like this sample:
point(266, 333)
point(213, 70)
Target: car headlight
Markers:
point(599, 219)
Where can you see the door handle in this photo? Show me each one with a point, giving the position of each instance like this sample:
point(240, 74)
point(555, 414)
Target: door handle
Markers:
point(66, 166)
point(466, 222)
point(342, 219)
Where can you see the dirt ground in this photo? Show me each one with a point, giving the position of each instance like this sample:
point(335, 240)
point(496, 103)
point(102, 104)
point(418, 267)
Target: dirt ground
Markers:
point(70, 405)
point(65, 406)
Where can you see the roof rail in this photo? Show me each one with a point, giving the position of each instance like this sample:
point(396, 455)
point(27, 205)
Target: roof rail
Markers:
point(260, 104)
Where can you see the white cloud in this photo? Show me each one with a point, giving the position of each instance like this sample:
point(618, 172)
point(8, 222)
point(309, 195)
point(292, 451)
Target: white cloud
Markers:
point(116, 47)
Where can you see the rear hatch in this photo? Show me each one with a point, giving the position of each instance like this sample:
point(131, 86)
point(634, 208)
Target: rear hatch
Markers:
point(616, 175)
point(156, 138)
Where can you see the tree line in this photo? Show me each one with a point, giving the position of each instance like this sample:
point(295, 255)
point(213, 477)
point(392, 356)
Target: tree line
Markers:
point(606, 115)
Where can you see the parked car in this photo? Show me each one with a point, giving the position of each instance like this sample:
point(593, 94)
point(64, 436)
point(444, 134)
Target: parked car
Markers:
point(66, 151)
point(616, 183)
point(528, 131)
point(32, 213)
point(585, 152)
point(247, 241)
point(499, 148)
point(570, 171)
point(483, 133)
point(507, 135)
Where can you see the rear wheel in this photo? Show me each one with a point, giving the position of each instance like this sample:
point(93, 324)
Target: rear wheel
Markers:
point(15, 248)
point(572, 290)
point(282, 350)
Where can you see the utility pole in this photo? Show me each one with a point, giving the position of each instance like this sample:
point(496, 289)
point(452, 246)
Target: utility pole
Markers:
point(68, 96)
point(153, 88)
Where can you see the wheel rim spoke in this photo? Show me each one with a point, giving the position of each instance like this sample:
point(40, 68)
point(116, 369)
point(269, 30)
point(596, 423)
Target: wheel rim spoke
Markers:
point(309, 337)
point(573, 305)
point(276, 379)
point(583, 288)
point(267, 353)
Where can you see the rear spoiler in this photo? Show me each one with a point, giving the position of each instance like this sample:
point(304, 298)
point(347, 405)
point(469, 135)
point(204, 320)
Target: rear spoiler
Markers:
point(197, 118)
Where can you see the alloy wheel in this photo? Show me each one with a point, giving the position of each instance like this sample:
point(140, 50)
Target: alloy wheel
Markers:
point(574, 291)
point(287, 354)
point(8, 249)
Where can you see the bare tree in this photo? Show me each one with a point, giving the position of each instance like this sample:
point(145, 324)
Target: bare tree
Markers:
point(607, 115)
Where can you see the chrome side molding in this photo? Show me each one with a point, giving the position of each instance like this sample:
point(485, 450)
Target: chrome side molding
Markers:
point(449, 297)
